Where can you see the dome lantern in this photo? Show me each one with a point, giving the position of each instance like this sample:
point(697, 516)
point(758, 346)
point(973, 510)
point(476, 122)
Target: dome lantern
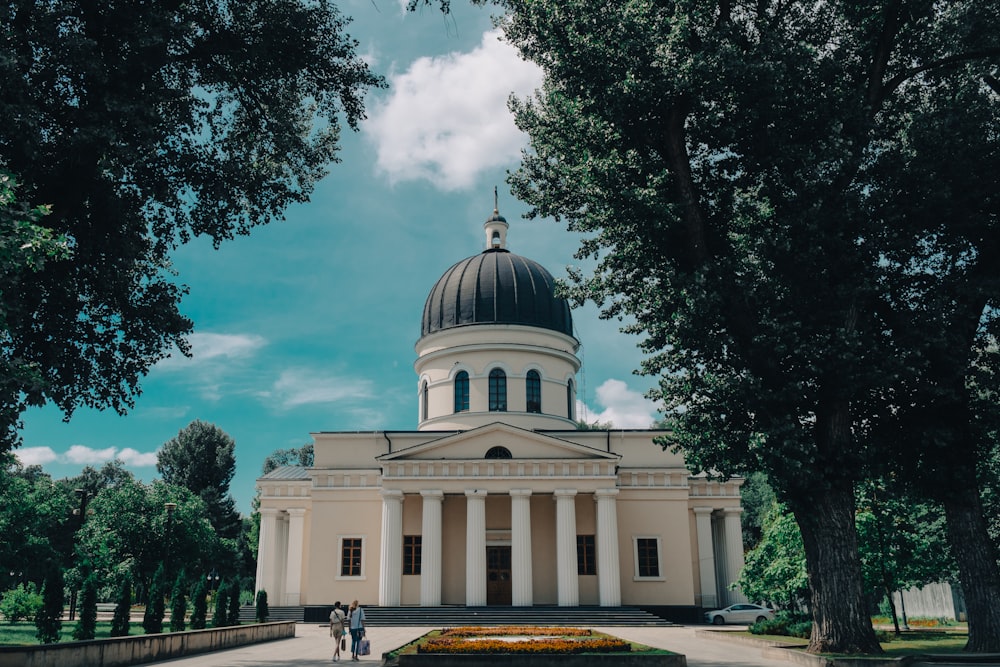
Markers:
point(496, 227)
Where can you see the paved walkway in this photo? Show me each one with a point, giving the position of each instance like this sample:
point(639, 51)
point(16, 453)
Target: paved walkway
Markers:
point(312, 646)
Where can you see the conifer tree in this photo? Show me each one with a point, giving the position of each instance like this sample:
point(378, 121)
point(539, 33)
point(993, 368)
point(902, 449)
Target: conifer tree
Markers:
point(200, 606)
point(86, 627)
point(262, 610)
point(178, 605)
point(152, 620)
point(220, 616)
point(233, 617)
point(48, 620)
point(123, 609)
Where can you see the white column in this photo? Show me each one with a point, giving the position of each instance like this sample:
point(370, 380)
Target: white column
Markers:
point(293, 568)
point(430, 549)
point(266, 561)
point(391, 553)
point(520, 548)
point(734, 550)
point(281, 556)
point(475, 548)
point(706, 557)
point(568, 581)
point(609, 585)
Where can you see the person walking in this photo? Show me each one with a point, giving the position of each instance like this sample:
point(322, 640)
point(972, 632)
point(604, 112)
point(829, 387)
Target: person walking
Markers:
point(357, 625)
point(337, 620)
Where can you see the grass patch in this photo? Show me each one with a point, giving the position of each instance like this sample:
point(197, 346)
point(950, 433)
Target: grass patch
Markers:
point(23, 634)
point(916, 641)
point(465, 640)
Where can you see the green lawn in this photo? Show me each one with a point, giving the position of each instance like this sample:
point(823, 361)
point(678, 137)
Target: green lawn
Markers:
point(923, 641)
point(23, 634)
point(913, 642)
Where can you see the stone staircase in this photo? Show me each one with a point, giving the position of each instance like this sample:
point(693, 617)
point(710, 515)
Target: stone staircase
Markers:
point(450, 616)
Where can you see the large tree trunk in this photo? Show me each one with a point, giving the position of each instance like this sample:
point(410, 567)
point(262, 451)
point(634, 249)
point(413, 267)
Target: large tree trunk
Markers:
point(841, 620)
point(976, 557)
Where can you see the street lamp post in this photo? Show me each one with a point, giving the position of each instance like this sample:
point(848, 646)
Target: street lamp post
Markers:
point(212, 578)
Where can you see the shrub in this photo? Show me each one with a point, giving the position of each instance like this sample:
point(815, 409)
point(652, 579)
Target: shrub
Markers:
point(21, 603)
point(262, 610)
point(784, 623)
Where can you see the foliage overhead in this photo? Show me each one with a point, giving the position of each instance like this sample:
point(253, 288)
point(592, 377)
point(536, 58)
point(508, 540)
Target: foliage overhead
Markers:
point(732, 167)
point(143, 125)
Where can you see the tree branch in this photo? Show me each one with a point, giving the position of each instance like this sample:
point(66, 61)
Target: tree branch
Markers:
point(898, 80)
point(880, 58)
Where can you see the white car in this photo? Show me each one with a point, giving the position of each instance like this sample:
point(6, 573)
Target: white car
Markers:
point(743, 612)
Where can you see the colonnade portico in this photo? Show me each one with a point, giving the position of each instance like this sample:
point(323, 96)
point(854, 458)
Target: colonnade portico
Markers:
point(522, 594)
point(720, 554)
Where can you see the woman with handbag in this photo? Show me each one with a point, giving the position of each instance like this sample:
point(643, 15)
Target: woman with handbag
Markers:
point(337, 620)
point(357, 625)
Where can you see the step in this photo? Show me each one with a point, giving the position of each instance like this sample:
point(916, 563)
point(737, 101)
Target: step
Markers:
point(590, 616)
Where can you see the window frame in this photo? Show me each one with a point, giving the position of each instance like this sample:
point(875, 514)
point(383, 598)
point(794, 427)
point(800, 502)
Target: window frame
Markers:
point(461, 392)
point(533, 388)
point(638, 563)
point(341, 540)
point(497, 390)
point(586, 555)
point(412, 554)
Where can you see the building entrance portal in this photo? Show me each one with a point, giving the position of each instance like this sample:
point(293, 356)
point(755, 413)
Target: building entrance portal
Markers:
point(498, 584)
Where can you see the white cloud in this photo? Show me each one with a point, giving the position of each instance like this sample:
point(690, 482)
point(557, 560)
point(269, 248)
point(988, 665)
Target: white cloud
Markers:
point(623, 407)
point(446, 118)
point(35, 456)
point(136, 459)
point(82, 455)
point(208, 347)
point(297, 387)
point(89, 456)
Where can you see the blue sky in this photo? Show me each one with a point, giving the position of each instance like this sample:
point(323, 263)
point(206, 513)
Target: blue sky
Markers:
point(309, 323)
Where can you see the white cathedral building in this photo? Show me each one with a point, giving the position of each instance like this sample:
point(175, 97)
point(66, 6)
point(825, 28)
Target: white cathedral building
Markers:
point(497, 498)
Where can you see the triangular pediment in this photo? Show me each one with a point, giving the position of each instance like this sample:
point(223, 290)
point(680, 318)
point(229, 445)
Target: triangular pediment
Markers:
point(475, 443)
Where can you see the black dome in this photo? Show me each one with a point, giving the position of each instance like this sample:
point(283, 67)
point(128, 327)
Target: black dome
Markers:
point(496, 287)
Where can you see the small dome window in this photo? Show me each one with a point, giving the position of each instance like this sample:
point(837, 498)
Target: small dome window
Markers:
point(499, 453)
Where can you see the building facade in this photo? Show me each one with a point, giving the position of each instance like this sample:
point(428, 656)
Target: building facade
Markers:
point(497, 498)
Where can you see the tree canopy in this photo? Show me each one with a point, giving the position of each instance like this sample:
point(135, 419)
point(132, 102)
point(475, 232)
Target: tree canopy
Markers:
point(201, 458)
point(142, 125)
point(731, 166)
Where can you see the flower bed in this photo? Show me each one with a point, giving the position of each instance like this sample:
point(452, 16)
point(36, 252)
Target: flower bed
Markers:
point(529, 646)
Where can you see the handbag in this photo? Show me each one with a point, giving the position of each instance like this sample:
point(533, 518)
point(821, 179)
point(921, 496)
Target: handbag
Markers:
point(343, 643)
point(365, 648)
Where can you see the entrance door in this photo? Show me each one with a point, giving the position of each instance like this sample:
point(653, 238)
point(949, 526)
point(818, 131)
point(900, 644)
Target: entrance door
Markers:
point(498, 586)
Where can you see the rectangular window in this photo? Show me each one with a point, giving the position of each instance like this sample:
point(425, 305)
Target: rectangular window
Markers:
point(411, 554)
point(586, 555)
point(350, 557)
point(647, 557)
